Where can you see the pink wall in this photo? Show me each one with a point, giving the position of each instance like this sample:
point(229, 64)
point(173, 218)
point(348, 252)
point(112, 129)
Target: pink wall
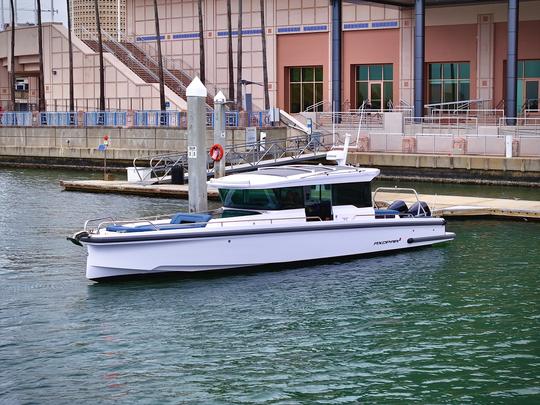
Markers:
point(300, 50)
point(368, 47)
point(528, 48)
point(453, 43)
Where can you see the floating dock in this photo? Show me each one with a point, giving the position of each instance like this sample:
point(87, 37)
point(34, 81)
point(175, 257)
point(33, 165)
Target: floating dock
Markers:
point(441, 205)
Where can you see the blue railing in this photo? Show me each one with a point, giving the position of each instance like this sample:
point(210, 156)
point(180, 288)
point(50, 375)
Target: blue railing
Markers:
point(138, 119)
point(144, 119)
point(106, 119)
point(58, 119)
point(16, 119)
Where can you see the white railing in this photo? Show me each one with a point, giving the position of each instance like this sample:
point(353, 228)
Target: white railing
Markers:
point(434, 124)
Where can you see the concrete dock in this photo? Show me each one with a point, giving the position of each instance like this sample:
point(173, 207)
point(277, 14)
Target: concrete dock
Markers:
point(441, 205)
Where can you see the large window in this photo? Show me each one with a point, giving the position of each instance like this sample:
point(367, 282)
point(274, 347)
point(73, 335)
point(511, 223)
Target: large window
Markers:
point(528, 86)
point(374, 85)
point(449, 82)
point(306, 88)
point(357, 194)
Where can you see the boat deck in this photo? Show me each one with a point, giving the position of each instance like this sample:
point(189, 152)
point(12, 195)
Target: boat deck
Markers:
point(441, 205)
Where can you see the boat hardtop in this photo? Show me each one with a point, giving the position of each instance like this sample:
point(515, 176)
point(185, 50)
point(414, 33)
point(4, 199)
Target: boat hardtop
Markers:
point(295, 175)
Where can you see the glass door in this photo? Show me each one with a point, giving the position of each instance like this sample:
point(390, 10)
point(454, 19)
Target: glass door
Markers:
point(531, 94)
point(375, 95)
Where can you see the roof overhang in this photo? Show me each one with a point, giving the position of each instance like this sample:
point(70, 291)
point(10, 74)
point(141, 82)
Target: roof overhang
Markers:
point(428, 3)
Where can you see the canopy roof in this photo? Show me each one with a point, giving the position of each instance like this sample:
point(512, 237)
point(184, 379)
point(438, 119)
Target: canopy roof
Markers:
point(428, 3)
point(294, 176)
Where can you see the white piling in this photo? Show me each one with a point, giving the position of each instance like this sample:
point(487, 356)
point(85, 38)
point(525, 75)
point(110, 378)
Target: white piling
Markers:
point(196, 96)
point(220, 136)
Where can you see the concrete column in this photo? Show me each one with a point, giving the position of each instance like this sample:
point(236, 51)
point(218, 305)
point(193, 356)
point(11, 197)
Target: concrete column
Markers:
point(219, 131)
point(407, 59)
point(337, 21)
point(196, 95)
point(419, 43)
point(511, 64)
point(485, 50)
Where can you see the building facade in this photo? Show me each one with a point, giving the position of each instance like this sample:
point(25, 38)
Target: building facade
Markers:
point(466, 52)
point(112, 17)
point(465, 49)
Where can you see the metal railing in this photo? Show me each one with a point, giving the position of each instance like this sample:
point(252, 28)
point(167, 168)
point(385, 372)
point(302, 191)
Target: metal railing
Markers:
point(172, 64)
point(434, 124)
point(179, 86)
point(16, 119)
point(58, 119)
point(459, 105)
point(129, 54)
point(239, 156)
point(106, 119)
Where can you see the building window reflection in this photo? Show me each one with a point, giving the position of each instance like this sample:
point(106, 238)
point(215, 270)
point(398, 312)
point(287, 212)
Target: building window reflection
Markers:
point(374, 86)
point(305, 88)
point(449, 82)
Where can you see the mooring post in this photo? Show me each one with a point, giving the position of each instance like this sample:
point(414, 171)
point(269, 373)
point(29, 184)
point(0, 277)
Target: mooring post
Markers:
point(196, 147)
point(220, 136)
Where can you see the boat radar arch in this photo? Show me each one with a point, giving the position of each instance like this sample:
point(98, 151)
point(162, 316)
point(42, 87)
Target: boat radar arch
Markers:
point(340, 156)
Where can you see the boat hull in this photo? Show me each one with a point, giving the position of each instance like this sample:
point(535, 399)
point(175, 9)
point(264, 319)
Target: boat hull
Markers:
point(219, 249)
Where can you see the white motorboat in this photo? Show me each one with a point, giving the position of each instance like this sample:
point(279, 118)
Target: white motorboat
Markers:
point(274, 215)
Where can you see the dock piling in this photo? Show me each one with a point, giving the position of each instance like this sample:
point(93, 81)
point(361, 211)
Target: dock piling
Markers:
point(196, 102)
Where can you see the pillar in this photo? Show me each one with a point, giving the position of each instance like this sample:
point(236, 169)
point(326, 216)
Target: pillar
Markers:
point(419, 43)
point(196, 102)
point(336, 55)
point(511, 64)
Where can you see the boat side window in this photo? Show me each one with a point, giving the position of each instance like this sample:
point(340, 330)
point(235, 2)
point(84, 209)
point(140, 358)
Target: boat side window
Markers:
point(251, 199)
point(290, 197)
point(357, 194)
point(318, 202)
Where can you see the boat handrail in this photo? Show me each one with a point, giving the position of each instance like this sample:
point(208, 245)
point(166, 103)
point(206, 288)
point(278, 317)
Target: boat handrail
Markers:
point(89, 221)
point(398, 190)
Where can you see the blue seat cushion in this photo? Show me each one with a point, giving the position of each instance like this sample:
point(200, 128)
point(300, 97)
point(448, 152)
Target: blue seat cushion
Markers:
point(178, 221)
point(185, 218)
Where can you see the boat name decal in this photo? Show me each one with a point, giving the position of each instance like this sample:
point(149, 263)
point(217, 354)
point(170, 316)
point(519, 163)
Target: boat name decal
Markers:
point(384, 242)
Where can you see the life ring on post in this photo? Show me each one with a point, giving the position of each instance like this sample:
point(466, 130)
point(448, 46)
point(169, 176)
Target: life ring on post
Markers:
point(216, 152)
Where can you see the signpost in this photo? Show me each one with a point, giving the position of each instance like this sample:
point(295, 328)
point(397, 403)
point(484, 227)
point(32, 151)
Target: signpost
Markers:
point(102, 147)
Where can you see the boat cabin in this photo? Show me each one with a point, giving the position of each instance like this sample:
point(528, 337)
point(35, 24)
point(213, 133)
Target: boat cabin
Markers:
point(315, 189)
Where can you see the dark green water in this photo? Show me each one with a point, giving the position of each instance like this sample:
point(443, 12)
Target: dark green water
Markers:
point(456, 323)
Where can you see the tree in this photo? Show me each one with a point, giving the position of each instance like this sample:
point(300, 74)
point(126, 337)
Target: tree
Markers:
point(239, 58)
point(101, 67)
point(202, 61)
point(265, 62)
point(12, 76)
point(70, 47)
point(160, 60)
point(41, 101)
point(230, 52)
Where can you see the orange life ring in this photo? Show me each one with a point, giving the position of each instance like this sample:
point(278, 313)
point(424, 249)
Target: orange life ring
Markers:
point(216, 152)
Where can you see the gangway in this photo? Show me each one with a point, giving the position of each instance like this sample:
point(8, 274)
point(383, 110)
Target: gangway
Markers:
point(238, 158)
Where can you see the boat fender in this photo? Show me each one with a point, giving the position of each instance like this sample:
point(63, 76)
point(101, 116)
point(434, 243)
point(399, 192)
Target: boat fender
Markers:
point(216, 152)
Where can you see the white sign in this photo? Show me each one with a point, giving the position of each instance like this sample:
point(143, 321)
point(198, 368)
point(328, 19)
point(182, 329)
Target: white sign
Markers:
point(192, 152)
point(251, 136)
point(223, 134)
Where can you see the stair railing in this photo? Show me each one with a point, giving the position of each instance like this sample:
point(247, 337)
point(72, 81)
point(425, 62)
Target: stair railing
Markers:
point(153, 58)
point(107, 48)
point(172, 64)
point(130, 55)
